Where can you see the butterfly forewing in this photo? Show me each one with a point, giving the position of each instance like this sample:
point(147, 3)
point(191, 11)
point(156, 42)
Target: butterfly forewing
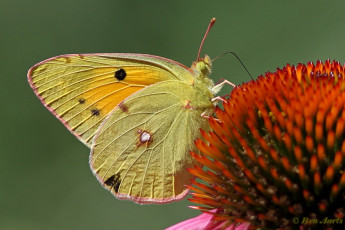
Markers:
point(81, 90)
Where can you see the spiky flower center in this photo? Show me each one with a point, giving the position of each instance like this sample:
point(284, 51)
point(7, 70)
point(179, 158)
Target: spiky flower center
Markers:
point(277, 151)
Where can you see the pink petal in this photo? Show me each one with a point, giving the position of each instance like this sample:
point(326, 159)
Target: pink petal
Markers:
point(205, 222)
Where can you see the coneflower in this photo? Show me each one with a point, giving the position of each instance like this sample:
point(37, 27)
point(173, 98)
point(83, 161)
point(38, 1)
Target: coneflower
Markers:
point(275, 158)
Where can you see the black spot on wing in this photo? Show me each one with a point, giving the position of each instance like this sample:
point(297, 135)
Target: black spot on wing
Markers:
point(95, 112)
point(114, 182)
point(120, 74)
point(81, 100)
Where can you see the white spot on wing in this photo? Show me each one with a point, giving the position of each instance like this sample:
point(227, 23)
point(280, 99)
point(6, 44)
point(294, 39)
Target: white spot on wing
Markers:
point(145, 137)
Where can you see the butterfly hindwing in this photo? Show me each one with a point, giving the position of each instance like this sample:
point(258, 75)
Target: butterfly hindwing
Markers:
point(82, 89)
point(141, 151)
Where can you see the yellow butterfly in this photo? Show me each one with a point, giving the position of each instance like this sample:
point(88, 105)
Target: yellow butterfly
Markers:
point(139, 114)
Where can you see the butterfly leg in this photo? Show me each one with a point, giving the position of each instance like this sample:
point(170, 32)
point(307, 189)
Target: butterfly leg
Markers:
point(218, 98)
point(204, 115)
point(220, 85)
point(224, 81)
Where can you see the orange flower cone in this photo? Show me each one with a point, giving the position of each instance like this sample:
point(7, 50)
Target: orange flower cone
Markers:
point(276, 156)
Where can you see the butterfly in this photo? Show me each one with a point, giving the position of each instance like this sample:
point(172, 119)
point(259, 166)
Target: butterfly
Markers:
point(139, 114)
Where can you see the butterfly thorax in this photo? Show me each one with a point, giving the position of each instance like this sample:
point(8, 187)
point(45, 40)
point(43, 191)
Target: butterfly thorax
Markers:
point(203, 85)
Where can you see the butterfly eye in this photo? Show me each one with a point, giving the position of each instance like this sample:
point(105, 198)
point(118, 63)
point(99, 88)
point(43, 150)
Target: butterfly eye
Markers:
point(120, 74)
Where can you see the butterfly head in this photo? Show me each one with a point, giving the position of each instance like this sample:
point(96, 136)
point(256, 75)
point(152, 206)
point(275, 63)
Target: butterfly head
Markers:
point(203, 66)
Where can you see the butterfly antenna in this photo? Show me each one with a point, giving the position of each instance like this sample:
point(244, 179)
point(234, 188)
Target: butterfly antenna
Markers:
point(230, 52)
point(213, 20)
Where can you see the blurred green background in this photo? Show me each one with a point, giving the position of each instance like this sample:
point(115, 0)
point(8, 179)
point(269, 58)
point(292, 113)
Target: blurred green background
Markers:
point(45, 178)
